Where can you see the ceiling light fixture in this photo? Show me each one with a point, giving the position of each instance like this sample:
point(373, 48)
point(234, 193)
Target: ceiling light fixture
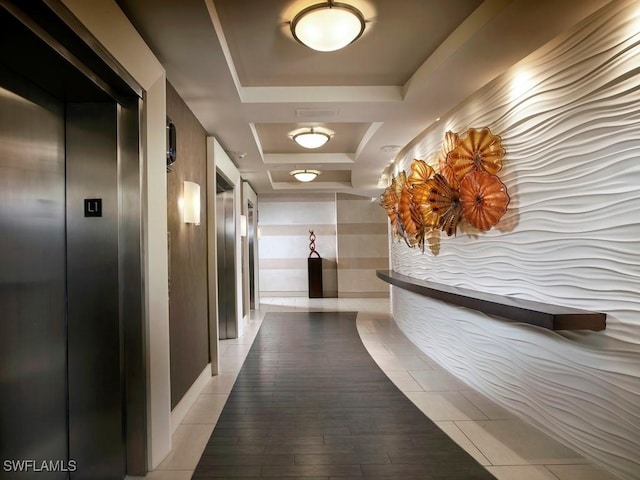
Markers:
point(305, 175)
point(328, 26)
point(311, 137)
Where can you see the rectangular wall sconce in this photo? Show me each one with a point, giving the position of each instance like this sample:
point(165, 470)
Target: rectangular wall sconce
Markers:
point(243, 225)
point(191, 203)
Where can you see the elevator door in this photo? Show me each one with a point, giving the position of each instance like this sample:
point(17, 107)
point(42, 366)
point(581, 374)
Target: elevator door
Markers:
point(61, 403)
point(70, 279)
point(33, 346)
point(226, 251)
point(251, 234)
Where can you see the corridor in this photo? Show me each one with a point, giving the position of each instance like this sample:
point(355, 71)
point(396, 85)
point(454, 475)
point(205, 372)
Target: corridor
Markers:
point(507, 447)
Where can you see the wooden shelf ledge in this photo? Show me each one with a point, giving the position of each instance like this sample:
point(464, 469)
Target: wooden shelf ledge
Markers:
point(553, 317)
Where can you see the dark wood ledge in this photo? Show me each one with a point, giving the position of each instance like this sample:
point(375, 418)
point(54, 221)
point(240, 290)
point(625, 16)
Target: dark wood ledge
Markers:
point(553, 317)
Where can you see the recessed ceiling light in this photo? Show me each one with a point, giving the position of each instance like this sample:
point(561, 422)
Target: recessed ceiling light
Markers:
point(328, 26)
point(313, 137)
point(305, 175)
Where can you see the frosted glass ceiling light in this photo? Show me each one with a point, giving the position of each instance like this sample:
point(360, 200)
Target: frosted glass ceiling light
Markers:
point(305, 175)
point(328, 26)
point(311, 137)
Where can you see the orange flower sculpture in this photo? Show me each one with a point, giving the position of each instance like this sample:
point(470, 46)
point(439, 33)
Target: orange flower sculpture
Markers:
point(425, 218)
point(406, 212)
point(449, 175)
point(484, 199)
point(389, 200)
point(479, 150)
point(445, 201)
point(420, 172)
point(449, 144)
point(465, 189)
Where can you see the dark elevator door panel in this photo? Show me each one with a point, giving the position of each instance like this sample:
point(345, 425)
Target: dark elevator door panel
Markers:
point(96, 421)
point(33, 422)
point(226, 251)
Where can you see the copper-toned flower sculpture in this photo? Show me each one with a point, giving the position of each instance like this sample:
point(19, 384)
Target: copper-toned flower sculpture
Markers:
point(389, 200)
point(399, 182)
point(445, 202)
point(420, 172)
point(449, 175)
point(421, 192)
point(465, 188)
point(449, 144)
point(478, 150)
point(406, 214)
point(396, 199)
point(484, 199)
point(426, 219)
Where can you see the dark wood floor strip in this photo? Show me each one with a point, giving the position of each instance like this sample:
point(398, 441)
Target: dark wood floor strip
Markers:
point(311, 403)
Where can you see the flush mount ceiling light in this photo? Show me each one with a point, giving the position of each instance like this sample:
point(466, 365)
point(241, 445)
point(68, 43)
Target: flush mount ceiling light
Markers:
point(311, 137)
point(328, 26)
point(305, 175)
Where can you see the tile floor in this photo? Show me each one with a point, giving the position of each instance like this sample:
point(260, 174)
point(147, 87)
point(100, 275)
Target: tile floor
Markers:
point(509, 448)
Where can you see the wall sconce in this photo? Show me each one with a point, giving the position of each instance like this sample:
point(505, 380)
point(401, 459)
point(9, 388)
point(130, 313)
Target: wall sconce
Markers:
point(191, 203)
point(243, 225)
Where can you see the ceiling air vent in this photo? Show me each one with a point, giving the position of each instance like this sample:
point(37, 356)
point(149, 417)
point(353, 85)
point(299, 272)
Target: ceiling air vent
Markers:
point(317, 112)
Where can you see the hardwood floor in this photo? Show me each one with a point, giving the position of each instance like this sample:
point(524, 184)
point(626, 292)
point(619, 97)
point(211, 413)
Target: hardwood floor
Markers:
point(310, 402)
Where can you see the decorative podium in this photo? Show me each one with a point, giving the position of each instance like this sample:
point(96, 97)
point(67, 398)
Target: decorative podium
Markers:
point(314, 265)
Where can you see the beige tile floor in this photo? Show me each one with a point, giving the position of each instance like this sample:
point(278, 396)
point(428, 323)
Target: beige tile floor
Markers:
point(508, 447)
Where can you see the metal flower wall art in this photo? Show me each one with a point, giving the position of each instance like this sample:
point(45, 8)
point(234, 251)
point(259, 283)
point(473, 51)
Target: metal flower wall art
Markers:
point(465, 189)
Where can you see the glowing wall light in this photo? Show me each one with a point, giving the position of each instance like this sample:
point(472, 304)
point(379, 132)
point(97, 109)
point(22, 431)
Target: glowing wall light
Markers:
point(521, 84)
point(243, 225)
point(191, 203)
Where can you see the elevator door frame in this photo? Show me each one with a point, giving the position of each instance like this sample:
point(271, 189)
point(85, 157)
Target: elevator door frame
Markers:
point(251, 248)
point(52, 23)
point(226, 259)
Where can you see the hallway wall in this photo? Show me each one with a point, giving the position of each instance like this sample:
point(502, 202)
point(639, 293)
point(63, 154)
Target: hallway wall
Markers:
point(284, 221)
point(351, 237)
point(187, 245)
point(569, 118)
point(362, 246)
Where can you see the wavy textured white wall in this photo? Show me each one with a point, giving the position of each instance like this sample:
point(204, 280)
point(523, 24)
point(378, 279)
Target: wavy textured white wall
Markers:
point(569, 117)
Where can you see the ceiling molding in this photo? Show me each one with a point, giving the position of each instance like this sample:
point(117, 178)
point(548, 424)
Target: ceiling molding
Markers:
point(313, 186)
point(322, 94)
point(461, 35)
point(256, 138)
point(217, 26)
point(308, 158)
point(373, 128)
point(419, 60)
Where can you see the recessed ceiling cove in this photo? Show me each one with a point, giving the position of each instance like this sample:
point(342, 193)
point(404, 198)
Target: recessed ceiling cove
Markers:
point(402, 33)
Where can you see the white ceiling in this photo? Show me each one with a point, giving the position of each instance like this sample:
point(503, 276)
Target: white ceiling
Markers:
point(237, 66)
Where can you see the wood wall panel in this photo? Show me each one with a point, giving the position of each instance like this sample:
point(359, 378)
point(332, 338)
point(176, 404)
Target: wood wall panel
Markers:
point(188, 304)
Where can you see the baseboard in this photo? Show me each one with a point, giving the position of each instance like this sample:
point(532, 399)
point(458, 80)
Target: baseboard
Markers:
point(283, 294)
point(363, 294)
point(186, 402)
